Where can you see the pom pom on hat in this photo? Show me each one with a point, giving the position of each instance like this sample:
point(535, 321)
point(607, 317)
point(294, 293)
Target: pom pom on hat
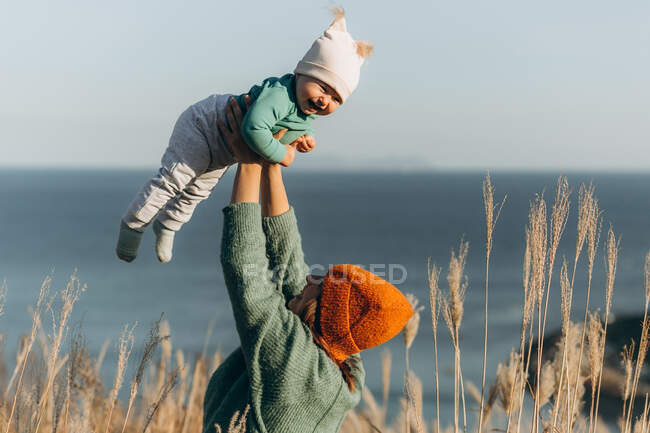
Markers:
point(359, 310)
point(335, 58)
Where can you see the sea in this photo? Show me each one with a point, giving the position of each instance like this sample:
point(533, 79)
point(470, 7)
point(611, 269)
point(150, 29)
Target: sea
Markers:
point(60, 223)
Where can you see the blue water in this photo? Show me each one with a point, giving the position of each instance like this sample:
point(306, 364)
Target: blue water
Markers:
point(58, 221)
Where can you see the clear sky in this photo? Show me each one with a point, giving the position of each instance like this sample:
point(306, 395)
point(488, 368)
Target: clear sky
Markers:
point(454, 84)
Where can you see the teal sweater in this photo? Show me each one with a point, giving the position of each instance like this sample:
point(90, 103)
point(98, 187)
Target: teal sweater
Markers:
point(289, 382)
point(274, 108)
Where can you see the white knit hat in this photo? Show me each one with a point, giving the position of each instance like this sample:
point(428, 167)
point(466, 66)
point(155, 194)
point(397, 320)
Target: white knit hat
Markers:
point(335, 58)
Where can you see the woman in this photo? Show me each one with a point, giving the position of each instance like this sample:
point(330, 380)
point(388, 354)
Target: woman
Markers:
point(297, 369)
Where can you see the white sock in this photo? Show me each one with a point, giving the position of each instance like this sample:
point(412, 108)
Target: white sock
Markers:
point(164, 241)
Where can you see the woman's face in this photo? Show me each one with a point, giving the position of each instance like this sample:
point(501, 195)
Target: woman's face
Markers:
point(312, 290)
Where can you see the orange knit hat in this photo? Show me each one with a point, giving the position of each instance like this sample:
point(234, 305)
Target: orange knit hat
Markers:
point(359, 310)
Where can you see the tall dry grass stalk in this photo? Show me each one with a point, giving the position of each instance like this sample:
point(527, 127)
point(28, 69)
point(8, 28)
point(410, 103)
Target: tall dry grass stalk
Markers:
point(433, 274)
point(592, 221)
point(125, 346)
point(452, 305)
point(537, 241)
point(559, 216)
point(147, 354)
point(409, 333)
point(613, 246)
point(527, 309)
point(595, 338)
point(627, 362)
point(492, 213)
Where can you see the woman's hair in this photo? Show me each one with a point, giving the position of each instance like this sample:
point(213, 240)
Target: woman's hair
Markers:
point(310, 316)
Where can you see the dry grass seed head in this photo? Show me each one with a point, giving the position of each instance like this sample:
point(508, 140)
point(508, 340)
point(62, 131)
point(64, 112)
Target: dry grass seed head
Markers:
point(585, 209)
point(594, 341)
point(166, 340)
point(567, 296)
point(573, 341)
point(546, 383)
point(589, 223)
point(457, 283)
point(643, 343)
point(414, 391)
point(627, 362)
point(529, 299)
point(538, 246)
point(125, 346)
point(493, 393)
point(559, 215)
point(445, 307)
point(433, 275)
point(238, 423)
point(568, 372)
point(490, 217)
point(411, 328)
point(510, 377)
point(613, 246)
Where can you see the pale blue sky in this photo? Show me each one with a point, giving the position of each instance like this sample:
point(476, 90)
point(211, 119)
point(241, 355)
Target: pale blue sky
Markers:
point(455, 84)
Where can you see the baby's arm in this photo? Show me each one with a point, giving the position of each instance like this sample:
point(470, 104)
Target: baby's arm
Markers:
point(270, 106)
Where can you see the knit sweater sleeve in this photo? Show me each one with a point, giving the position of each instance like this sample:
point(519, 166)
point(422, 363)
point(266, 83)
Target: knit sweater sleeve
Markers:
point(284, 250)
point(271, 105)
point(245, 266)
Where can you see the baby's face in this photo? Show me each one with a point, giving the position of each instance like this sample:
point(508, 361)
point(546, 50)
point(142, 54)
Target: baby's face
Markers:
point(316, 97)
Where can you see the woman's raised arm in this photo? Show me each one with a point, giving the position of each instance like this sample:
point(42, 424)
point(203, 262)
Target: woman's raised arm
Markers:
point(283, 243)
point(274, 196)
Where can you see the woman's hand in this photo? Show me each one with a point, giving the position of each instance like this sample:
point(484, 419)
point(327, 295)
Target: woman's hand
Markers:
point(289, 155)
point(232, 133)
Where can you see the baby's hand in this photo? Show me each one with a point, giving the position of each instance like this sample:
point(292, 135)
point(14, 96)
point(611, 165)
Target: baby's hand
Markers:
point(305, 144)
point(289, 156)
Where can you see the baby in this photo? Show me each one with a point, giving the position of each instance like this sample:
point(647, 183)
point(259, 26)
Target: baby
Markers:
point(197, 155)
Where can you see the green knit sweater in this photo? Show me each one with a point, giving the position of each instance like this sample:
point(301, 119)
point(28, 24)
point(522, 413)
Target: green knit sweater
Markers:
point(289, 382)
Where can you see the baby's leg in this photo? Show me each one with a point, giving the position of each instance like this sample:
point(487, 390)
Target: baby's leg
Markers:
point(186, 157)
point(170, 181)
point(180, 209)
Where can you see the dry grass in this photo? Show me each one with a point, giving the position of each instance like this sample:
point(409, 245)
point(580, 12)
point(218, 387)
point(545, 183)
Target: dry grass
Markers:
point(54, 390)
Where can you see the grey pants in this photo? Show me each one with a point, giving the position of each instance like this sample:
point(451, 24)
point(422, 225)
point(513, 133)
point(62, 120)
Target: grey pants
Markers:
point(192, 165)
